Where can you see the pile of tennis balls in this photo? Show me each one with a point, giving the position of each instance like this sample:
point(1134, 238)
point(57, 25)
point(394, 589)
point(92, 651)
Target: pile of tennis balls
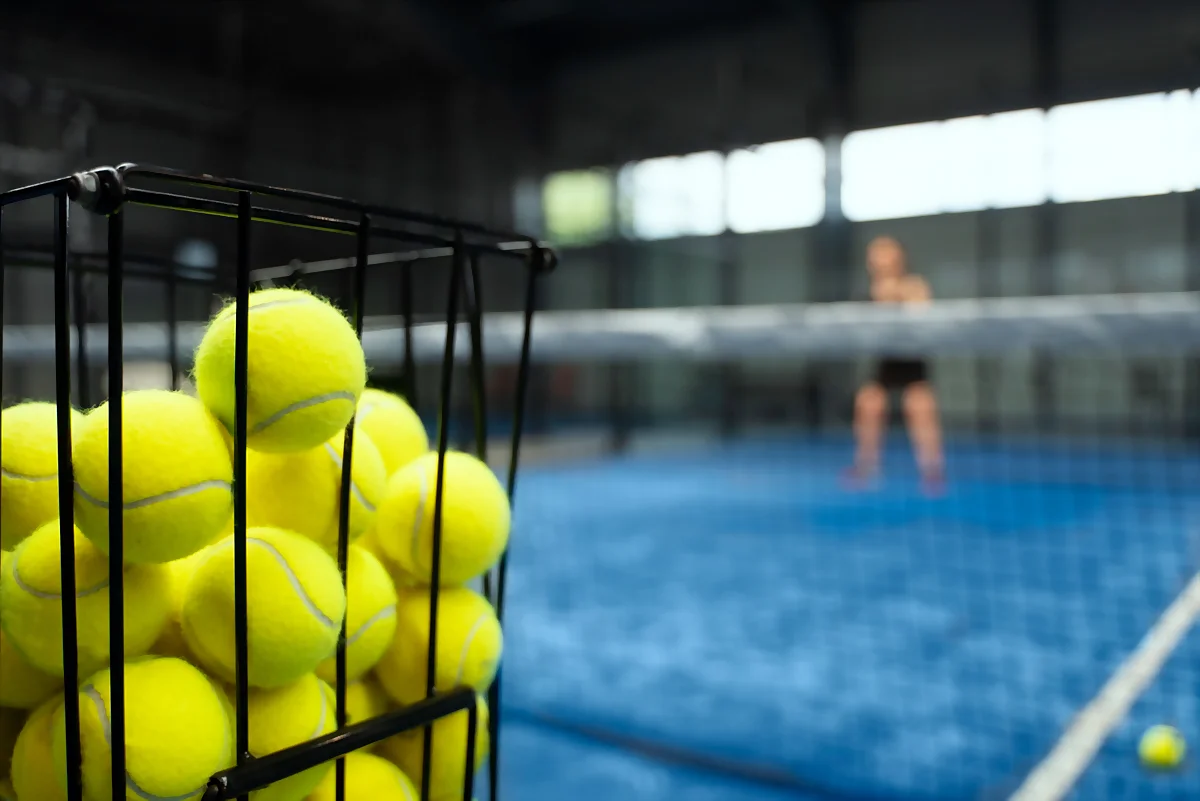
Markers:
point(307, 381)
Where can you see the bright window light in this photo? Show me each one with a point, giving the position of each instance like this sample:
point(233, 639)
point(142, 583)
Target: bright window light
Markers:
point(959, 176)
point(889, 172)
point(963, 164)
point(1014, 159)
point(1102, 149)
point(578, 206)
point(674, 196)
point(1183, 122)
point(776, 186)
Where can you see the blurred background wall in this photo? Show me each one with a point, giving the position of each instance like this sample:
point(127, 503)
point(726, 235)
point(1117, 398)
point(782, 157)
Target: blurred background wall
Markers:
point(680, 153)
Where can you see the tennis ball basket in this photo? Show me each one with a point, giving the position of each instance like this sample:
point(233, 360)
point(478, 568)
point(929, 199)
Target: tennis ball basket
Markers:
point(231, 548)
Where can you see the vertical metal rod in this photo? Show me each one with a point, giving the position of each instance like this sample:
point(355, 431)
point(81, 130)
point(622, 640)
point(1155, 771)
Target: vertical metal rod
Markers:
point(444, 411)
point(116, 502)
point(2, 282)
point(66, 496)
point(357, 296)
point(473, 300)
point(409, 379)
point(240, 387)
point(1191, 371)
point(472, 731)
point(173, 326)
point(83, 373)
point(513, 460)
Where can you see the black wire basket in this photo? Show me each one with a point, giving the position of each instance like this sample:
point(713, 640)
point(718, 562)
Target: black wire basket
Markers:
point(448, 244)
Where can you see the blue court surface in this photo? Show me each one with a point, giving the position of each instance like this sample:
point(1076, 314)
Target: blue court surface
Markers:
point(731, 623)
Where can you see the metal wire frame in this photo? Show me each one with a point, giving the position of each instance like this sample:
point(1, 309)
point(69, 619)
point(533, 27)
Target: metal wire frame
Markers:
point(109, 191)
point(494, 582)
point(87, 263)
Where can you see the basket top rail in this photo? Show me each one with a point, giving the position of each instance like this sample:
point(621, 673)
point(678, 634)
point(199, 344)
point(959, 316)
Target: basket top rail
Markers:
point(104, 190)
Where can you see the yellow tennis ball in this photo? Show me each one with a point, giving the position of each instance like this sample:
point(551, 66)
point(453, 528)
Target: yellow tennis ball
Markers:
point(29, 469)
point(171, 642)
point(365, 699)
point(448, 763)
point(295, 605)
point(301, 491)
point(306, 370)
point(177, 476)
point(23, 686)
point(469, 644)
point(31, 597)
point(368, 778)
point(393, 426)
point(33, 772)
point(285, 716)
point(475, 518)
point(370, 543)
point(177, 732)
point(1162, 748)
point(370, 616)
point(11, 723)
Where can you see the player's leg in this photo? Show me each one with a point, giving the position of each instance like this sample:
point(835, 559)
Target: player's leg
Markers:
point(925, 431)
point(870, 420)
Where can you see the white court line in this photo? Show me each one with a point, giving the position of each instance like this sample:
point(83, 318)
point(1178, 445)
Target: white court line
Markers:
point(1062, 767)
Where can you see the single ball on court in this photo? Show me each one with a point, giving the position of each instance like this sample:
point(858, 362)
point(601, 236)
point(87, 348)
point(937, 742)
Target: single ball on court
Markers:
point(469, 644)
point(176, 476)
point(1162, 748)
point(368, 778)
point(475, 518)
point(370, 616)
point(177, 732)
point(393, 426)
point(31, 594)
point(305, 371)
point(295, 605)
point(29, 469)
point(285, 716)
point(448, 760)
point(302, 491)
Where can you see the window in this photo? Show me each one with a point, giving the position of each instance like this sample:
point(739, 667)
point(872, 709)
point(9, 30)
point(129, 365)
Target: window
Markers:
point(1183, 115)
point(674, 196)
point(963, 164)
point(891, 172)
point(1125, 147)
point(199, 254)
point(1014, 165)
point(578, 206)
point(776, 186)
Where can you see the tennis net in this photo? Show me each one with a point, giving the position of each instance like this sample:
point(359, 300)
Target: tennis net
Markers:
point(702, 583)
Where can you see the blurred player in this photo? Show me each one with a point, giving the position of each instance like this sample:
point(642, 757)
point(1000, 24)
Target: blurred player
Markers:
point(891, 282)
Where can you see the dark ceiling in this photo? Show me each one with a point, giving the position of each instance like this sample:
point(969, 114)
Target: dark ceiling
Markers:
point(359, 45)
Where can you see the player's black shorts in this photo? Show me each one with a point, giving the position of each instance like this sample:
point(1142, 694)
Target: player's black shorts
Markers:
point(900, 373)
